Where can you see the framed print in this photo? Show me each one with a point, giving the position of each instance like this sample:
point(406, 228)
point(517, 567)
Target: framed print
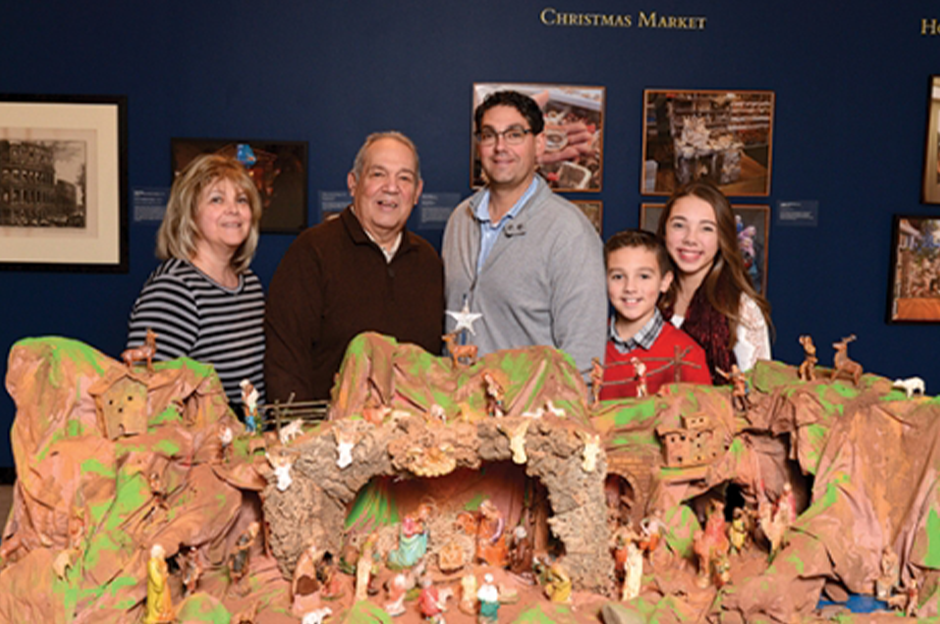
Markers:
point(724, 137)
point(914, 295)
point(753, 223)
point(931, 184)
point(278, 168)
point(574, 131)
point(594, 211)
point(63, 183)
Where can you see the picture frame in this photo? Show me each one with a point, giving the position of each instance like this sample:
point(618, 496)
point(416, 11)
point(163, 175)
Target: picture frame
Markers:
point(574, 129)
point(725, 137)
point(278, 169)
point(753, 235)
point(63, 183)
point(593, 209)
point(930, 192)
point(914, 290)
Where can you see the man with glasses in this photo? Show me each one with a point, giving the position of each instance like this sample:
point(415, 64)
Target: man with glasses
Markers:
point(523, 257)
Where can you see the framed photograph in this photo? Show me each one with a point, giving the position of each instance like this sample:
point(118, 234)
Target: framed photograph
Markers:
point(931, 190)
point(574, 133)
point(724, 137)
point(594, 211)
point(914, 296)
point(753, 237)
point(63, 183)
point(278, 168)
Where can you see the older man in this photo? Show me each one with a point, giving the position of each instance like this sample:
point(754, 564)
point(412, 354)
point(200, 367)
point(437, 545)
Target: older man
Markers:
point(362, 271)
point(523, 257)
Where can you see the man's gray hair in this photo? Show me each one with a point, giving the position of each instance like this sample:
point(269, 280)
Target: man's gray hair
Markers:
point(360, 160)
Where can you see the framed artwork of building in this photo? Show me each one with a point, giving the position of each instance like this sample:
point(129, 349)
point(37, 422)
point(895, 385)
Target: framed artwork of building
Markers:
point(574, 133)
point(914, 294)
point(63, 183)
point(931, 184)
point(278, 169)
point(753, 224)
point(724, 137)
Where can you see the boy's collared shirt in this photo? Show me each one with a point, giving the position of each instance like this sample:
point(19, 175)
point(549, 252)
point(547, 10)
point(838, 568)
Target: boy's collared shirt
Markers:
point(644, 338)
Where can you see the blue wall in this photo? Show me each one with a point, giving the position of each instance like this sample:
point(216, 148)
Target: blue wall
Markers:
point(851, 87)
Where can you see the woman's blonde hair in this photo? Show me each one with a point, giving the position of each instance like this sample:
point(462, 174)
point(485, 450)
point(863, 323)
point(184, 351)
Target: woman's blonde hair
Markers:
point(727, 278)
point(178, 233)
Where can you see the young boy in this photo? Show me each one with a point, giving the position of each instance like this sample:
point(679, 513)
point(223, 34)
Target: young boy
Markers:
point(641, 349)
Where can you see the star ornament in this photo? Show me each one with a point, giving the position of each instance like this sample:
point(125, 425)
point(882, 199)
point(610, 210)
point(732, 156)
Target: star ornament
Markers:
point(465, 318)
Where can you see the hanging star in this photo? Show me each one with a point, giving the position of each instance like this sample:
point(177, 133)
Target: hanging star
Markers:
point(464, 318)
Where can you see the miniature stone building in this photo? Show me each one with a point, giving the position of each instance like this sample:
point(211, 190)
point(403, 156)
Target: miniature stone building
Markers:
point(693, 444)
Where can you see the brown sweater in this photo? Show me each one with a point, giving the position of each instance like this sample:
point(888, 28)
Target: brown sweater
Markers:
point(334, 283)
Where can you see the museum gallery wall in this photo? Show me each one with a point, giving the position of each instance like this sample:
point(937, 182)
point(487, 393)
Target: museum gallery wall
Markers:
point(822, 110)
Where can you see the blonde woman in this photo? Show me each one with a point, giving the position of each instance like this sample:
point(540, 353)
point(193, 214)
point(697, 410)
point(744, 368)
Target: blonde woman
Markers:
point(203, 301)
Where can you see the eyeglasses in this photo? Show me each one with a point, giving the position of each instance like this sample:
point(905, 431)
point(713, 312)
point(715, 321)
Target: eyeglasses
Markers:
point(513, 136)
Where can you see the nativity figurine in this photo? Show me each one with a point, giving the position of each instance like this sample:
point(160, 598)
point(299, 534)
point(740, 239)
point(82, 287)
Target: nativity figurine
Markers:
point(639, 371)
point(491, 540)
point(192, 569)
point(520, 554)
point(367, 567)
point(412, 538)
point(488, 597)
point(250, 398)
point(557, 583)
point(739, 389)
point(240, 558)
point(432, 602)
point(159, 602)
point(633, 573)
point(495, 395)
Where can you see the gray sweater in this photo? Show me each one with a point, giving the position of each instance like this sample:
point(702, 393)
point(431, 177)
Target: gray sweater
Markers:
point(542, 284)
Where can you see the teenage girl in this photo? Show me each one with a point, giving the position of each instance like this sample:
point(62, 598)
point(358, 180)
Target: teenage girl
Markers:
point(712, 298)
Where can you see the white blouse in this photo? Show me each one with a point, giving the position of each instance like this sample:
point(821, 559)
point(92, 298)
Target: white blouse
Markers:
point(753, 335)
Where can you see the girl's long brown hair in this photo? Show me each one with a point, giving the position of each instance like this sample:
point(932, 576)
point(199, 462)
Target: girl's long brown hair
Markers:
point(727, 278)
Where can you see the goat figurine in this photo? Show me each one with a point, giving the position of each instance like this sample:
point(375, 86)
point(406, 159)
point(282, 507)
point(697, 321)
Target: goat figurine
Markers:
point(292, 430)
point(460, 352)
point(144, 352)
point(843, 364)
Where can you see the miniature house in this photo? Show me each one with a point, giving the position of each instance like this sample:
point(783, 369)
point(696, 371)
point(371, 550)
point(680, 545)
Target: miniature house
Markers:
point(123, 408)
point(692, 444)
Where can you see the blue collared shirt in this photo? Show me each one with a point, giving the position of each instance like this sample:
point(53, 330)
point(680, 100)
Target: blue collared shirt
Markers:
point(489, 232)
point(644, 338)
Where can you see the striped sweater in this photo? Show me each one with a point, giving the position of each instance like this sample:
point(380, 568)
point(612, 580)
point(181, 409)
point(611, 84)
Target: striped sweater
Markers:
point(198, 318)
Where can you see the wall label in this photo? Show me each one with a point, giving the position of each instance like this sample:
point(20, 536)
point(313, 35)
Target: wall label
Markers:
point(434, 208)
point(149, 203)
point(550, 16)
point(803, 213)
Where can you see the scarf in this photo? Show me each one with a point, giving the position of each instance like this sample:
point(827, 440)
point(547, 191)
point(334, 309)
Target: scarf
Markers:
point(708, 327)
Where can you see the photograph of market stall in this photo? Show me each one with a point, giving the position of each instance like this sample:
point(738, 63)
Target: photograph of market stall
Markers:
point(723, 137)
